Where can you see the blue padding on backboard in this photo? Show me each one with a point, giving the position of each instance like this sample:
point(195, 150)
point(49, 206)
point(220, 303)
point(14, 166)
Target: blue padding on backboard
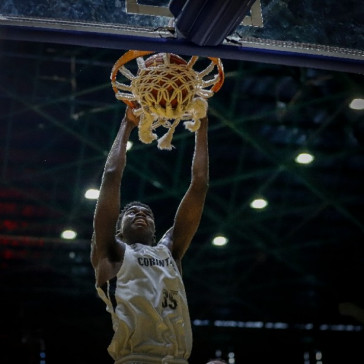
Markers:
point(181, 47)
point(209, 22)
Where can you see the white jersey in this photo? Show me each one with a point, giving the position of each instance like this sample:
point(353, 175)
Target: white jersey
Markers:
point(148, 305)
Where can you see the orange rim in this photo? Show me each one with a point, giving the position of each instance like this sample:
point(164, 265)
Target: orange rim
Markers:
point(220, 68)
point(133, 54)
point(125, 58)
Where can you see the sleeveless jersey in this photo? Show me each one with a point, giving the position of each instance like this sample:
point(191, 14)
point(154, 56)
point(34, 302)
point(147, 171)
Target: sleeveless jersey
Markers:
point(148, 305)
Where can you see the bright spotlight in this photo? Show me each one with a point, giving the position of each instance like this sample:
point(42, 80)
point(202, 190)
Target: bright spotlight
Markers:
point(357, 104)
point(68, 234)
point(304, 158)
point(129, 145)
point(219, 240)
point(92, 194)
point(259, 203)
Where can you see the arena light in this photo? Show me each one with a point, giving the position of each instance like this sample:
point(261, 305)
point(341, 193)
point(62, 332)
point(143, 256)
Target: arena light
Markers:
point(129, 145)
point(220, 240)
point(304, 158)
point(276, 325)
point(357, 104)
point(92, 194)
point(68, 234)
point(259, 203)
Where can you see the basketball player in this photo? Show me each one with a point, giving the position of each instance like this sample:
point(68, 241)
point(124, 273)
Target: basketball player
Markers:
point(140, 281)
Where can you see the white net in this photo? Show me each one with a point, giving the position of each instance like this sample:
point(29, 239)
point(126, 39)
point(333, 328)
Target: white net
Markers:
point(167, 90)
point(164, 90)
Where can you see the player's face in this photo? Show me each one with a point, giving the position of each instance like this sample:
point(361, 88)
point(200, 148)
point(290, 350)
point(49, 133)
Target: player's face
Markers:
point(138, 219)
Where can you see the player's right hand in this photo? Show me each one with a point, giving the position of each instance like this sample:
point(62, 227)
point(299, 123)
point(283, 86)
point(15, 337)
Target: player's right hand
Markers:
point(130, 116)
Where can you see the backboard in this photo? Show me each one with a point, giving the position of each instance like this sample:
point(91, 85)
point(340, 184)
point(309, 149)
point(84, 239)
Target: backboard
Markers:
point(328, 35)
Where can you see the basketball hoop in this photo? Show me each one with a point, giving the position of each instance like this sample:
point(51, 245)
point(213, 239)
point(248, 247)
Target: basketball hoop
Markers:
point(165, 91)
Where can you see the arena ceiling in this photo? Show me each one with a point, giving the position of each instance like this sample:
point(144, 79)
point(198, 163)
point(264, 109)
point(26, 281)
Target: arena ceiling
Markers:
point(290, 278)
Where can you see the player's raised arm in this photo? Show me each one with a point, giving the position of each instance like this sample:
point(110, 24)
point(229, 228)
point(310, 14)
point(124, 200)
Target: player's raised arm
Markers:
point(108, 204)
point(189, 212)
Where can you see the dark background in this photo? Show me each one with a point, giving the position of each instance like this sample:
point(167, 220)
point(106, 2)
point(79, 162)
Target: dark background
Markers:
point(289, 283)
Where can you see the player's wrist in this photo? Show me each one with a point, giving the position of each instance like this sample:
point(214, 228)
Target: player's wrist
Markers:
point(130, 117)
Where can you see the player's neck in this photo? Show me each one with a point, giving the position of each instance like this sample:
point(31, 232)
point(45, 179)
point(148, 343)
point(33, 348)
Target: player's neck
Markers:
point(138, 240)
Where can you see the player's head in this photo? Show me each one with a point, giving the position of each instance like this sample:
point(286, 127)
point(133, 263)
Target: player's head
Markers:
point(136, 223)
